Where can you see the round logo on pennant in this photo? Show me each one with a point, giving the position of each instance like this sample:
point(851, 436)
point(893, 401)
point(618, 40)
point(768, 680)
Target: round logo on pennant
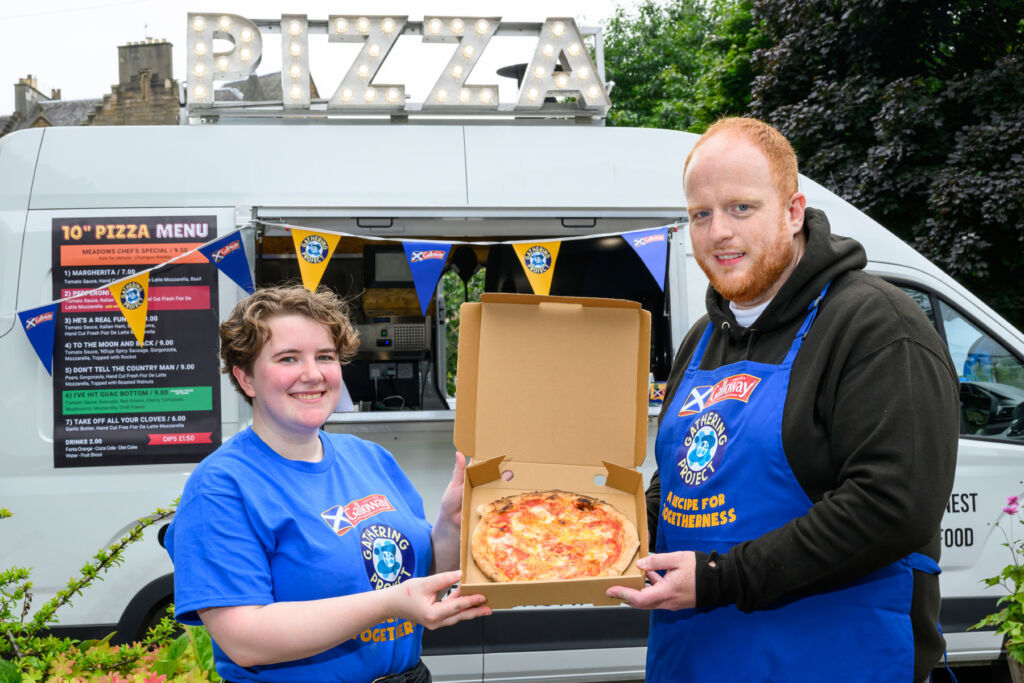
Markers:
point(387, 555)
point(313, 249)
point(700, 455)
point(537, 259)
point(132, 295)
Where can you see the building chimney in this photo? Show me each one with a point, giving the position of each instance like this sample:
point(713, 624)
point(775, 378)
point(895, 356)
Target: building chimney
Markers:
point(25, 95)
point(134, 58)
point(55, 93)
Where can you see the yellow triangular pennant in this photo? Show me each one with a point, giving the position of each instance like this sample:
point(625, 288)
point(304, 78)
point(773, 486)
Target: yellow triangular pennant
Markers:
point(132, 297)
point(314, 250)
point(538, 260)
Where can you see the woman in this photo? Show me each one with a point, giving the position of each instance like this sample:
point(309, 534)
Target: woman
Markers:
point(306, 554)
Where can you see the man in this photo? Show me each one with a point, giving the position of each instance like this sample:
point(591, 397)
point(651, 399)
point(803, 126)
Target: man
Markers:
point(806, 448)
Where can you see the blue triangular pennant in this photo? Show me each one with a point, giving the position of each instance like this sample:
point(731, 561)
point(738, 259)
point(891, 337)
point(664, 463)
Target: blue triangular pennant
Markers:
point(228, 254)
point(40, 324)
point(426, 261)
point(652, 248)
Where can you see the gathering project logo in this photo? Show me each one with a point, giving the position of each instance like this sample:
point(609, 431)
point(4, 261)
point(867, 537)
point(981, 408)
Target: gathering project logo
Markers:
point(132, 295)
point(703, 448)
point(537, 259)
point(387, 555)
point(313, 249)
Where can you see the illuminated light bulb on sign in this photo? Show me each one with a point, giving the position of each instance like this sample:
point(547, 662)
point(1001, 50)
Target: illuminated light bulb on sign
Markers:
point(200, 91)
point(464, 95)
point(457, 71)
point(363, 71)
point(558, 28)
point(593, 91)
point(294, 28)
point(482, 26)
point(362, 24)
point(245, 54)
point(295, 71)
point(393, 94)
point(198, 23)
point(548, 49)
point(296, 93)
point(370, 95)
point(224, 23)
point(200, 49)
point(562, 80)
point(442, 95)
point(246, 35)
point(532, 94)
point(434, 26)
point(199, 69)
point(346, 94)
point(340, 26)
point(223, 63)
point(574, 49)
point(373, 50)
point(295, 49)
point(457, 25)
point(486, 96)
point(583, 73)
point(468, 51)
point(387, 25)
point(539, 72)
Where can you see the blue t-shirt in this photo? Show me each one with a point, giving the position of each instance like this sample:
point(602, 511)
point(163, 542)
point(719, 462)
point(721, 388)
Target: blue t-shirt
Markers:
point(254, 528)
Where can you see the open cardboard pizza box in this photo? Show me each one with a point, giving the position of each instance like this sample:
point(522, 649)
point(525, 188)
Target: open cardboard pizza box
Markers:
point(554, 390)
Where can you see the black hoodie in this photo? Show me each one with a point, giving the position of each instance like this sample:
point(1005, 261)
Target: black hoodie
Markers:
point(870, 429)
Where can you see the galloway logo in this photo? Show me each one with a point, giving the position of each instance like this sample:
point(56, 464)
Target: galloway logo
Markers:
point(738, 387)
point(418, 256)
point(537, 260)
point(314, 249)
point(642, 241)
point(41, 318)
point(702, 450)
point(344, 518)
point(225, 250)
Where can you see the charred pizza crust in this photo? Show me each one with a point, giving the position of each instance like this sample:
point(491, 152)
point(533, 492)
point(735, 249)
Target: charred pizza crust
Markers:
point(550, 535)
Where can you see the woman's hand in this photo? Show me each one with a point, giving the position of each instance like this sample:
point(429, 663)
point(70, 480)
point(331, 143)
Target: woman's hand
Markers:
point(416, 600)
point(445, 536)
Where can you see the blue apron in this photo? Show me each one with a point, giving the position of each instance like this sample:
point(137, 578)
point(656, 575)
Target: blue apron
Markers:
point(725, 479)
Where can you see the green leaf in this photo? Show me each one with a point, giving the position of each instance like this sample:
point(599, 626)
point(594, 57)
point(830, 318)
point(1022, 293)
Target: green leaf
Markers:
point(9, 672)
point(202, 646)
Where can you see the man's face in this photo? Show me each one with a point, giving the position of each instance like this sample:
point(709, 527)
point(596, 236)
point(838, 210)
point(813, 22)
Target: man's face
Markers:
point(746, 235)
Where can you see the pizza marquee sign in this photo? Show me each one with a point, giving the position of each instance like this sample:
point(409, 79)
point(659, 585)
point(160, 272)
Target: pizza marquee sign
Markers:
point(561, 66)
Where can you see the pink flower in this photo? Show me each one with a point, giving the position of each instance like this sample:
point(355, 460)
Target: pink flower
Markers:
point(1011, 509)
point(1011, 500)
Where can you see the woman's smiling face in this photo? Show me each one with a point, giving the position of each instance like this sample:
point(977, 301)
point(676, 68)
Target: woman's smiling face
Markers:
point(296, 378)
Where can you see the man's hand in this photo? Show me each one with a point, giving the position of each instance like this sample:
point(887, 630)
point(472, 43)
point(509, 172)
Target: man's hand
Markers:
point(675, 590)
point(445, 536)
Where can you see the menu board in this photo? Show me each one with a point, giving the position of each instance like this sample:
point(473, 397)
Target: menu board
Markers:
point(116, 402)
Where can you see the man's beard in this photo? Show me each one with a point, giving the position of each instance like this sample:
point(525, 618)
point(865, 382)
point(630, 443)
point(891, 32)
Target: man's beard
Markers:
point(758, 279)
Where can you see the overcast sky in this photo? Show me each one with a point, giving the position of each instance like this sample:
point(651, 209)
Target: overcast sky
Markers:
point(72, 46)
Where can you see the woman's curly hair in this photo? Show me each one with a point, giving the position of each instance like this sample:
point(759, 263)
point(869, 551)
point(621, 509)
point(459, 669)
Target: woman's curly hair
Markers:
point(247, 329)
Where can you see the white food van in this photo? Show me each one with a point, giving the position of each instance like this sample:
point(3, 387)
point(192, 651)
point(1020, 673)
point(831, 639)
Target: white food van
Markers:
point(484, 184)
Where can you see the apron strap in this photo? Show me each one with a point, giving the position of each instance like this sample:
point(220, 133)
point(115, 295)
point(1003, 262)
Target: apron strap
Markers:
point(811, 315)
point(698, 353)
point(923, 563)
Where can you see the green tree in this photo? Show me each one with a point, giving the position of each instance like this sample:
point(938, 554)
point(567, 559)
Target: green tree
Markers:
point(911, 111)
point(653, 58)
point(456, 293)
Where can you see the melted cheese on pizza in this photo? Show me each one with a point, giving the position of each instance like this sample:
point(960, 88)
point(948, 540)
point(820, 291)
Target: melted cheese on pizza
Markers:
point(542, 539)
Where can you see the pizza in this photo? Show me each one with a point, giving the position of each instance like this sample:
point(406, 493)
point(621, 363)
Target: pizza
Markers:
point(547, 535)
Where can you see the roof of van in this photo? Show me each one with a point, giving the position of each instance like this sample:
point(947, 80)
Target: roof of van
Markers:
point(400, 170)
